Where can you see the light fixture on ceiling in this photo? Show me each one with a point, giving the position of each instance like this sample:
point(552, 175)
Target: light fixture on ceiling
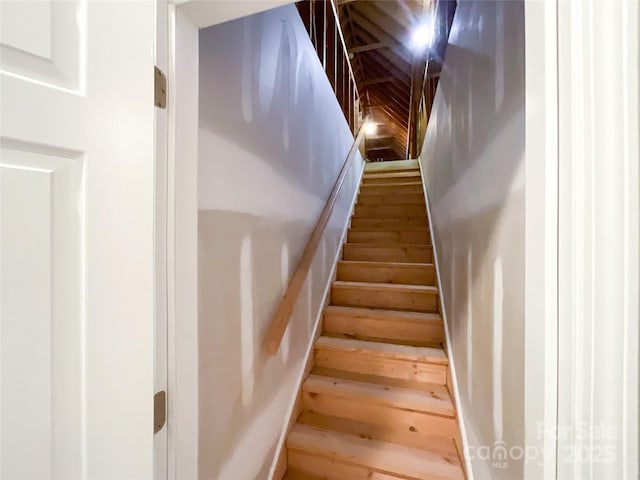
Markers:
point(422, 36)
point(370, 128)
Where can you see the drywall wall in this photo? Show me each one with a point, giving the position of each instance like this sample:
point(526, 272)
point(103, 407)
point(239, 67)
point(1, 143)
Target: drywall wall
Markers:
point(473, 160)
point(272, 139)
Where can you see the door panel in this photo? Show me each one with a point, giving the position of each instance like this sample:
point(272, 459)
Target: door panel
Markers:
point(42, 326)
point(77, 239)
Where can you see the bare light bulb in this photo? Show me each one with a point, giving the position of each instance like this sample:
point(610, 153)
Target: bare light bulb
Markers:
point(422, 37)
point(370, 129)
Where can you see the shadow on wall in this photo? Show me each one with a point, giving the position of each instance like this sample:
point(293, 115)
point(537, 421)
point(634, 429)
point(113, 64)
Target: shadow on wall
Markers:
point(275, 103)
point(272, 140)
point(238, 256)
point(474, 165)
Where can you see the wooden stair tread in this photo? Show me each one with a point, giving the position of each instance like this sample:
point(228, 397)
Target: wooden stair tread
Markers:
point(396, 174)
point(379, 432)
point(416, 229)
point(393, 211)
point(391, 185)
point(398, 237)
point(393, 326)
point(420, 253)
point(391, 198)
point(393, 246)
point(381, 314)
point(387, 223)
point(363, 377)
point(383, 456)
point(399, 265)
point(391, 165)
point(383, 350)
point(387, 286)
point(293, 474)
point(431, 398)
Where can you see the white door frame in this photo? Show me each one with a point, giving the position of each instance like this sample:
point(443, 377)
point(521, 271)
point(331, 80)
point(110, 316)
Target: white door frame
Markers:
point(598, 241)
point(541, 233)
point(556, 209)
point(185, 20)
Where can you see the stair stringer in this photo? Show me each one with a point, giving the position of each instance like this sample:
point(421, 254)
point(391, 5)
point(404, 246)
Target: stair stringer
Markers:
point(451, 374)
point(279, 462)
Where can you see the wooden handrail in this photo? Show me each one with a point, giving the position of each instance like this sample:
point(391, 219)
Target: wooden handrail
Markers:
point(281, 318)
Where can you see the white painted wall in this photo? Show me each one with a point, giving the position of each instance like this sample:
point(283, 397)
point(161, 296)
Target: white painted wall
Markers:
point(473, 160)
point(272, 139)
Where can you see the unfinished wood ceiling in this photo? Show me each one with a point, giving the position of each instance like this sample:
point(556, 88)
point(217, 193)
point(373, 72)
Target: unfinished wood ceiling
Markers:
point(378, 37)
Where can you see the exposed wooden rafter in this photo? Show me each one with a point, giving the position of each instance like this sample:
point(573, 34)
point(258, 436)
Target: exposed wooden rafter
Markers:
point(374, 81)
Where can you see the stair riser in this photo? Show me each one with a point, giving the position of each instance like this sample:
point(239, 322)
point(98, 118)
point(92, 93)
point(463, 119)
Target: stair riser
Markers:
point(382, 274)
point(370, 364)
point(429, 333)
point(403, 237)
point(391, 199)
point(374, 211)
point(325, 468)
point(394, 300)
point(387, 254)
point(395, 165)
point(389, 180)
point(420, 423)
point(388, 224)
point(389, 189)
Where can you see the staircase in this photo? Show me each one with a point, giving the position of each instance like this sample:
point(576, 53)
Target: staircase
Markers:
point(377, 402)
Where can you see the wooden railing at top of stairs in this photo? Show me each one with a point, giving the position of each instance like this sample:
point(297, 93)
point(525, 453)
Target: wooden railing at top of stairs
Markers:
point(281, 318)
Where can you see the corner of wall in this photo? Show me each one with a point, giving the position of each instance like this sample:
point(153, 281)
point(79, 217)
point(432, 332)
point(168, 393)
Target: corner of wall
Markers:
point(452, 367)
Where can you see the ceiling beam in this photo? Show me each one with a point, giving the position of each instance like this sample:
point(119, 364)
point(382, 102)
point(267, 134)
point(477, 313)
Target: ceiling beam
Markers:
point(377, 32)
point(370, 46)
point(375, 81)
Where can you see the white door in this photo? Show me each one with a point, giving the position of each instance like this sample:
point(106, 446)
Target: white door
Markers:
point(77, 186)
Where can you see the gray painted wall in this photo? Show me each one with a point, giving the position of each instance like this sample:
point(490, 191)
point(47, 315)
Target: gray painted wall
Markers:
point(473, 161)
point(272, 139)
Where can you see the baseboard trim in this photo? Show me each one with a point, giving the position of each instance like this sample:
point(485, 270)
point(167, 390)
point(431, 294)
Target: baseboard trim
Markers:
point(452, 367)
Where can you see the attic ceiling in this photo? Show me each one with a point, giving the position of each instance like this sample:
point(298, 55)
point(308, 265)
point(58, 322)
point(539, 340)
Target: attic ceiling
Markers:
point(394, 82)
point(378, 35)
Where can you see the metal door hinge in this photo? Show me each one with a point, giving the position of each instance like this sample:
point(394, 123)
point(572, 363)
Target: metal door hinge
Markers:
point(159, 411)
point(160, 86)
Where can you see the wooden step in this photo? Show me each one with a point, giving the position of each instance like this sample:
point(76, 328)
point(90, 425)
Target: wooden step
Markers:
point(390, 187)
point(414, 236)
point(387, 272)
point(330, 469)
point(420, 364)
point(387, 432)
point(432, 398)
point(293, 474)
point(393, 177)
point(392, 198)
point(388, 223)
point(369, 323)
point(391, 166)
point(396, 211)
point(414, 298)
point(387, 253)
point(368, 455)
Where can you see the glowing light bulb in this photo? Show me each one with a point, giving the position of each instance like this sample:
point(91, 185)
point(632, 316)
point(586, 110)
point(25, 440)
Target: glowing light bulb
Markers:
point(422, 37)
point(370, 129)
